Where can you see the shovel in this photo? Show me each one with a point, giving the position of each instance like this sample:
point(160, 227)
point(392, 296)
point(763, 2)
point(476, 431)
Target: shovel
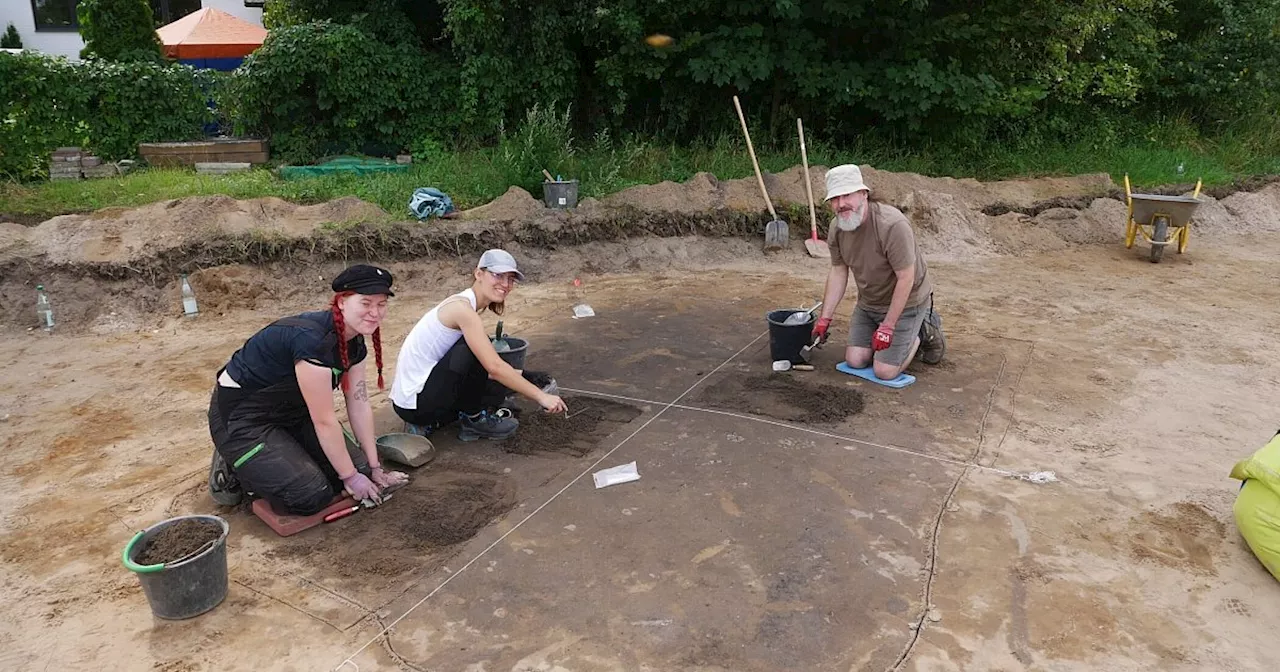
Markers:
point(775, 232)
point(815, 246)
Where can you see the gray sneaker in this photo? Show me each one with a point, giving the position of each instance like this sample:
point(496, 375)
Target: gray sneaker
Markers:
point(933, 344)
point(224, 487)
point(484, 425)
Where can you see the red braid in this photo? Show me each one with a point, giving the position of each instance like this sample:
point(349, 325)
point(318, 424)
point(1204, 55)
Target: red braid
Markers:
point(340, 326)
point(377, 353)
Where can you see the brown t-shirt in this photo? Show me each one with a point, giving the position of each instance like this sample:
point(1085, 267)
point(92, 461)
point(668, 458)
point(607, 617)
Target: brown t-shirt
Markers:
point(874, 252)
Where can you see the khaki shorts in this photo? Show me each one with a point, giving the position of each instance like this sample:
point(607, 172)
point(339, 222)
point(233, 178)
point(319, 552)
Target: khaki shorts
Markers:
point(865, 323)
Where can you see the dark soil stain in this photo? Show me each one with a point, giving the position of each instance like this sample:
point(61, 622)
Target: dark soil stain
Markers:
point(589, 420)
point(1072, 202)
point(180, 540)
point(781, 396)
point(413, 530)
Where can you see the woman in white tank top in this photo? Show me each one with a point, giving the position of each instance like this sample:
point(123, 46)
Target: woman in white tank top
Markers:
point(448, 369)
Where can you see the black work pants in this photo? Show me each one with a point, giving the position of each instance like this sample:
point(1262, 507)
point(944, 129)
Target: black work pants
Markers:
point(458, 384)
point(277, 459)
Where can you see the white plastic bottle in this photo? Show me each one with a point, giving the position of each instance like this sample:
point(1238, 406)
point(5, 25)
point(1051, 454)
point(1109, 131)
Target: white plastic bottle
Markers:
point(44, 308)
point(189, 307)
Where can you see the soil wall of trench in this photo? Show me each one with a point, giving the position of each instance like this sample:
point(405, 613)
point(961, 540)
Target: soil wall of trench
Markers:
point(127, 260)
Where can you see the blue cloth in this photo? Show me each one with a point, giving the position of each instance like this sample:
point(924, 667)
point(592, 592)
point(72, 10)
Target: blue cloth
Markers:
point(428, 202)
point(868, 374)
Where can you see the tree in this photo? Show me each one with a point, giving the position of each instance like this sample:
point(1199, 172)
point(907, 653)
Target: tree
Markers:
point(118, 30)
point(11, 40)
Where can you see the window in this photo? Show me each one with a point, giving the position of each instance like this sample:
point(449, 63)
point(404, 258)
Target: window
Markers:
point(55, 15)
point(168, 11)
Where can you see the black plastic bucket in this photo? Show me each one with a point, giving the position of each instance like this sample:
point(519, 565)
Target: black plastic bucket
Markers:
point(785, 342)
point(515, 356)
point(562, 194)
point(188, 587)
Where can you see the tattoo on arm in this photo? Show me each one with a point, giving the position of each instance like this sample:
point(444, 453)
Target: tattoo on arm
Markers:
point(362, 391)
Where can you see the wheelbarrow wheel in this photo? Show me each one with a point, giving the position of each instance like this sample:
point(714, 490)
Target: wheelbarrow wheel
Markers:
point(1158, 236)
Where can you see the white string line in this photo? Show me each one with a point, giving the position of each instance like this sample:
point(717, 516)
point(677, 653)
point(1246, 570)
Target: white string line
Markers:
point(908, 451)
point(472, 561)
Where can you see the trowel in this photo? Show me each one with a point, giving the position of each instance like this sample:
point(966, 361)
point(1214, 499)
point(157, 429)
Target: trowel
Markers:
point(499, 343)
point(807, 351)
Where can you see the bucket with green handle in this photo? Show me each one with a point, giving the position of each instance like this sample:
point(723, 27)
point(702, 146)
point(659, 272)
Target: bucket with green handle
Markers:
point(181, 587)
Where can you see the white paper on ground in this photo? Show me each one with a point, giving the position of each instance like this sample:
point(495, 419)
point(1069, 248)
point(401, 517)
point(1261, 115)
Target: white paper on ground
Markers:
point(623, 473)
point(583, 310)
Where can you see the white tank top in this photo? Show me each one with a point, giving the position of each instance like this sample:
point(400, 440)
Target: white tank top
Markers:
point(423, 348)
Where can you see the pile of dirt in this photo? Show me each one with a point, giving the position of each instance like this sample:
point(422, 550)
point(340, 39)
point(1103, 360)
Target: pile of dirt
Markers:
point(135, 255)
point(782, 396)
point(578, 433)
point(119, 235)
point(414, 529)
point(945, 228)
point(178, 541)
point(700, 193)
point(516, 204)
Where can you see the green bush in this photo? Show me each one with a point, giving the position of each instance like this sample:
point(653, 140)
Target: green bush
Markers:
point(544, 141)
point(118, 30)
point(322, 88)
point(11, 39)
point(103, 106)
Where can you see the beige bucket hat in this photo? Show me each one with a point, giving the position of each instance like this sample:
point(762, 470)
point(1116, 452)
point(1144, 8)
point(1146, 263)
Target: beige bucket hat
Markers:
point(843, 180)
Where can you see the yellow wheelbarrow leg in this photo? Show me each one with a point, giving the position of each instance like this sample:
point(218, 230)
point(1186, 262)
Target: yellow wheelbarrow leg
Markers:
point(1184, 237)
point(1130, 234)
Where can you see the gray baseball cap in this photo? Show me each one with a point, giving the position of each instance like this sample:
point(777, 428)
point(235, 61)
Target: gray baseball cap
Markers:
point(500, 261)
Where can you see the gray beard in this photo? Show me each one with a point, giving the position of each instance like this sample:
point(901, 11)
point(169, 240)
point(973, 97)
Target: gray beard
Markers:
point(851, 221)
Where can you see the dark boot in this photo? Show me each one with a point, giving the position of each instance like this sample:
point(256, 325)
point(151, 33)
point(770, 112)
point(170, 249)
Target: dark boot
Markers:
point(484, 425)
point(933, 344)
point(224, 487)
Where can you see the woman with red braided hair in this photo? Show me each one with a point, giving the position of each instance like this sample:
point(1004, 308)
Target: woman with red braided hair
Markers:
point(275, 429)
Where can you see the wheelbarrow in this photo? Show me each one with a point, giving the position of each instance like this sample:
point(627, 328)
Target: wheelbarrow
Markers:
point(1160, 220)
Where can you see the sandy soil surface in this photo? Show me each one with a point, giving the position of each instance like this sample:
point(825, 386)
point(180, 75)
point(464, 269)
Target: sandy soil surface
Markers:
point(881, 534)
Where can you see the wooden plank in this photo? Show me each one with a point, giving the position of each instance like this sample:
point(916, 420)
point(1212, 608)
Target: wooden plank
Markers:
point(192, 159)
point(238, 145)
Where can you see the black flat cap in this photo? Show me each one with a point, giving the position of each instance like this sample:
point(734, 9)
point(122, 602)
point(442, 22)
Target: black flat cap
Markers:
point(364, 279)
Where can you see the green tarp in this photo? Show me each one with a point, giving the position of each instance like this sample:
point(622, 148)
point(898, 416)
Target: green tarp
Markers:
point(343, 165)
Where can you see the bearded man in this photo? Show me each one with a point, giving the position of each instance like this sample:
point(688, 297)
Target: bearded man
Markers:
point(893, 317)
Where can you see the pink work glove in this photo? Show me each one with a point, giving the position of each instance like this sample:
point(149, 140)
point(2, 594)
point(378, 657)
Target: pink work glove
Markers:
point(389, 479)
point(883, 338)
point(359, 486)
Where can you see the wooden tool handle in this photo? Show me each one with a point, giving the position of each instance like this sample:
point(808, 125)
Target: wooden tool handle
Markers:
point(808, 185)
point(548, 175)
point(751, 150)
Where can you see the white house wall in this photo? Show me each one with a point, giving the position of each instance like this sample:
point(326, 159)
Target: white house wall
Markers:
point(69, 44)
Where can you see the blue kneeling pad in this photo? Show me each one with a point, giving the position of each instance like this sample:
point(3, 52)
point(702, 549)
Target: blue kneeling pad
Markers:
point(903, 379)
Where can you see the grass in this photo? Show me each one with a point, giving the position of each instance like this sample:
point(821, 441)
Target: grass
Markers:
point(474, 177)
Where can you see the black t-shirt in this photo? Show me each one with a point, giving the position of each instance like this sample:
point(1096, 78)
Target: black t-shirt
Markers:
point(268, 357)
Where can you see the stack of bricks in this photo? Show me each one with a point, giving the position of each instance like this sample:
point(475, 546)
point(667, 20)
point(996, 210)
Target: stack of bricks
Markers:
point(65, 164)
point(93, 167)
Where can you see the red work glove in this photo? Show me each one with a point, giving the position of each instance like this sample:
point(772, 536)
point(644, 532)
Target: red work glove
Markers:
point(883, 338)
point(820, 330)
